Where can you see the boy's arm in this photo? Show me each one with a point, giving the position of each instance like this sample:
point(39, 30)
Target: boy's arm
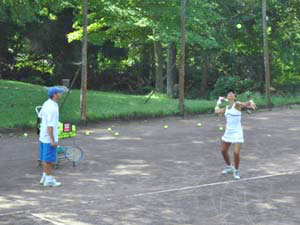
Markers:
point(51, 135)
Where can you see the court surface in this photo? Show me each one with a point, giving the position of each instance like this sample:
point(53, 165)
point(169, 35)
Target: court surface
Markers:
point(152, 175)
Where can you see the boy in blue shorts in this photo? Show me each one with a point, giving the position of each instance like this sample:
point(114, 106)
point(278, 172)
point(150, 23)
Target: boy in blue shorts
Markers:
point(49, 135)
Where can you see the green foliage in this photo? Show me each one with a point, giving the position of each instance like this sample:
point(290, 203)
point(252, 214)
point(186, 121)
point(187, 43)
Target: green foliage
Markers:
point(19, 100)
point(226, 83)
point(39, 65)
point(44, 36)
point(287, 85)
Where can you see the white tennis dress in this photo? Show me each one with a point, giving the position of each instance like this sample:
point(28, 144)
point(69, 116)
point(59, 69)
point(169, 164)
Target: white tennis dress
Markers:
point(234, 130)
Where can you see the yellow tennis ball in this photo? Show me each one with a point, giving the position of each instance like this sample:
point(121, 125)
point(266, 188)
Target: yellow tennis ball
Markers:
point(87, 133)
point(109, 129)
point(199, 124)
point(221, 128)
point(165, 126)
point(117, 134)
point(25, 134)
point(239, 26)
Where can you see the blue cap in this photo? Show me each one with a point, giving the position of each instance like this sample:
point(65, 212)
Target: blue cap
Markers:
point(54, 90)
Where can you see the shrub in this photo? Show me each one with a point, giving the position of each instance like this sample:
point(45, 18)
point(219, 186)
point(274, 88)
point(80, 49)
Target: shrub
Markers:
point(226, 83)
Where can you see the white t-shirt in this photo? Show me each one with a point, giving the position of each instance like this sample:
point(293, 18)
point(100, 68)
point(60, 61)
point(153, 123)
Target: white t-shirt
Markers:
point(49, 115)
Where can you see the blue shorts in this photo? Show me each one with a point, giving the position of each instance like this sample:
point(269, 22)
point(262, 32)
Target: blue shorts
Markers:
point(47, 153)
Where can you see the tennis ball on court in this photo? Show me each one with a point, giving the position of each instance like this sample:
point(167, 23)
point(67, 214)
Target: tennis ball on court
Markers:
point(109, 129)
point(87, 133)
point(239, 26)
point(117, 134)
point(221, 128)
point(165, 126)
point(199, 124)
point(25, 134)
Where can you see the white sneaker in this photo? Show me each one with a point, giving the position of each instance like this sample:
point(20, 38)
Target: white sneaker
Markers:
point(236, 175)
point(228, 170)
point(51, 182)
point(42, 180)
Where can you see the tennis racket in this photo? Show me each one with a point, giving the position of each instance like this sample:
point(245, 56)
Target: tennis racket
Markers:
point(73, 154)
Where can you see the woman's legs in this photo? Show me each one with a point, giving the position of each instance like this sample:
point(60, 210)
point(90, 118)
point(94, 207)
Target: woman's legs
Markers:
point(237, 148)
point(225, 148)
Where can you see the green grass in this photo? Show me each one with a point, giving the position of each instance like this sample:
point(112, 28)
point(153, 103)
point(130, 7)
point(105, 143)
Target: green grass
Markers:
point(18, 101)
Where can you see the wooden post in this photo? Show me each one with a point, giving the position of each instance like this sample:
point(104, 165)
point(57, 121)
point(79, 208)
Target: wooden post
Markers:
point(84, 63)
point(182, 60)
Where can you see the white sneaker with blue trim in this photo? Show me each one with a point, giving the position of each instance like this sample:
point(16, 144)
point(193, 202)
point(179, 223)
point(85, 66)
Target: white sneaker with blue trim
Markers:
point(236, 175)
point(228, 170)
point(42, 180)
point(51, 182)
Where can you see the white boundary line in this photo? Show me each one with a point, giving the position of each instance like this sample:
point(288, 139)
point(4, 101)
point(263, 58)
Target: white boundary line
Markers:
point(160, 192)
point(212, 184)
point(31, 214)
point(15, 212)
point(45, 219)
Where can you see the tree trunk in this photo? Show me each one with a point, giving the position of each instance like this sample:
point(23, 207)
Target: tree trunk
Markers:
point(146, 63)
point(182, 60)
point(260, 72)
point(158, 52)
point(203, 88)
point(266, 54)
point(171, 69)
point(152, 65)
point(84, 63)
point(4, 54)
point(4, 40)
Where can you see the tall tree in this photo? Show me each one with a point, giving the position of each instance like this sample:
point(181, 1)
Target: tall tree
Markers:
point(171, 68)
point(204, 78)
point(266, 53)
point(84, 62)
point(182, 59)
point(159, 62)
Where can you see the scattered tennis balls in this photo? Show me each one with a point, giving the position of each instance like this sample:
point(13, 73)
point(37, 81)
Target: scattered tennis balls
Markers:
point(25, 134)
point(239, 26)
point(165, 126)
point(221, 128)
point(117, 134)
point(109, 129)
point(199, 124)
point(87, 133)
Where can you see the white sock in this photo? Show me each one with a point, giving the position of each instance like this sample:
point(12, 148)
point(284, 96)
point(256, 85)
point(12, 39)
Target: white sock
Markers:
point(44, 174)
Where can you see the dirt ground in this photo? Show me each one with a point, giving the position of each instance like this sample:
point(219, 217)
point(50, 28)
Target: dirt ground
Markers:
point(153, 175)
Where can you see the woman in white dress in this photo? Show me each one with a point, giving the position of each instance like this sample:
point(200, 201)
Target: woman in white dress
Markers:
point(234, 132)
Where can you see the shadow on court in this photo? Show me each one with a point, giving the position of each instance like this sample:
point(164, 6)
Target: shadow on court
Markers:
point(152, 175)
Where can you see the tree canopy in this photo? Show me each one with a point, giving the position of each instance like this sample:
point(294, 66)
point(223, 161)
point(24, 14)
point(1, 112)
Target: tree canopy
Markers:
point(130, 42)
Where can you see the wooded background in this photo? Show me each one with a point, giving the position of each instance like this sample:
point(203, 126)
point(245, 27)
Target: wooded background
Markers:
point(134, 45)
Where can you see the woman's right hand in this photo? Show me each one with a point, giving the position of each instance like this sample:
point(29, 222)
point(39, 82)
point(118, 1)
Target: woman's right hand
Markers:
point(252, 105)
point(219, 102)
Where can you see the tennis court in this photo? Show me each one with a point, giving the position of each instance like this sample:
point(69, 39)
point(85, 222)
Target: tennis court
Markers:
point(153, 175)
